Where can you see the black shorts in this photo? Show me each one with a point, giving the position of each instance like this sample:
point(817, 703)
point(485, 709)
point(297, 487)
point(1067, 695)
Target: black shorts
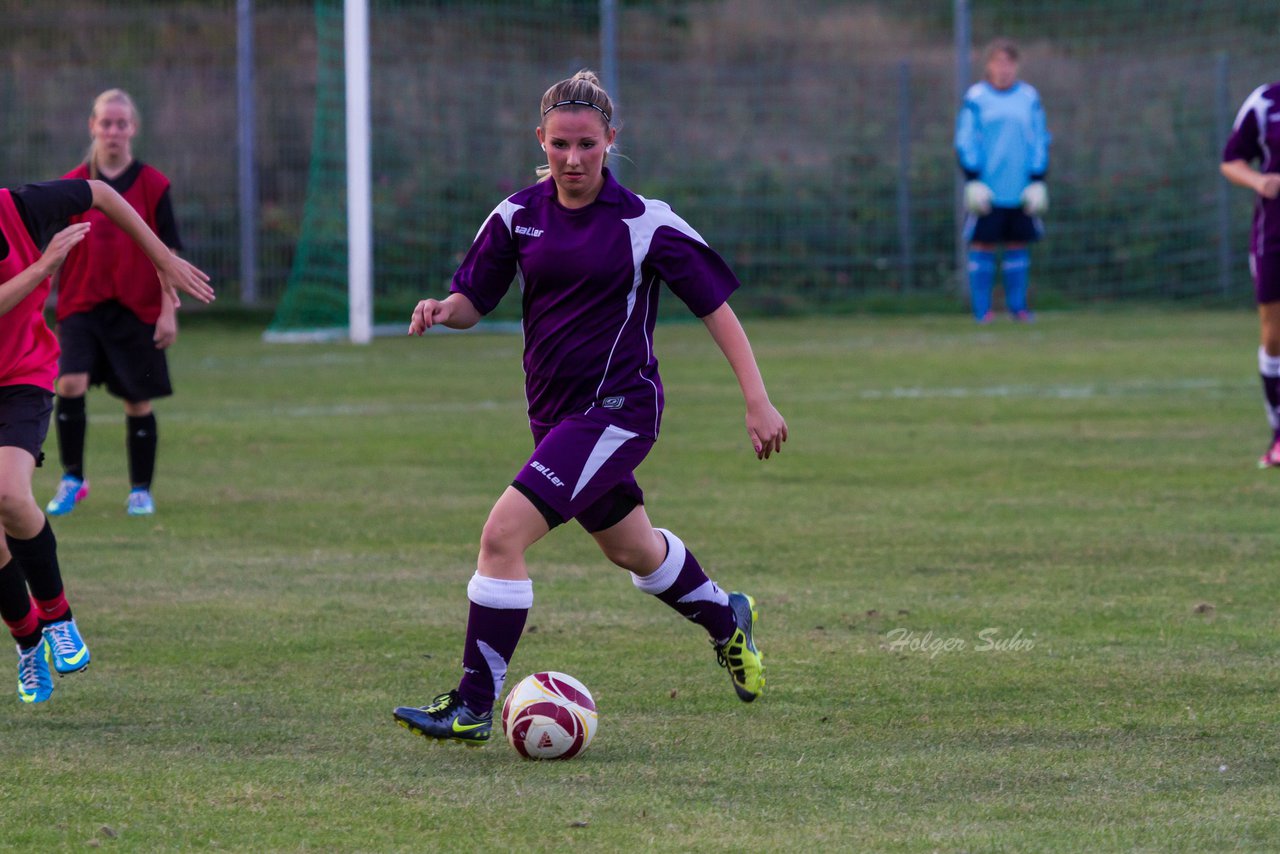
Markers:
point(1003, 225)
point(24, 418)
point(110, 344)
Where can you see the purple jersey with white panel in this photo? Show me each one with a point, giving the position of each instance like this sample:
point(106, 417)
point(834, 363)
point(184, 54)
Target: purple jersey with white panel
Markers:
point(589, 279)
point(1256, 136)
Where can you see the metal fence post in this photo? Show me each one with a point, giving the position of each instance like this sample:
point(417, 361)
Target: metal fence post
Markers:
point(247, 183)
point(962, 39)
point(609, 60)
point(904, 174)
point(1222, 120)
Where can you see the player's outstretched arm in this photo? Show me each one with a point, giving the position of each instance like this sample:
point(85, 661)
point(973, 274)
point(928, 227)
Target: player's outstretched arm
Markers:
point(175, 273)
point(765, 425)
point(20, 286)
point(454, 311)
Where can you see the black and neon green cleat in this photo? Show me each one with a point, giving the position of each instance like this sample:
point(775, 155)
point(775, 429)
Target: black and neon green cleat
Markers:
point(446, 719)
point(738, 654)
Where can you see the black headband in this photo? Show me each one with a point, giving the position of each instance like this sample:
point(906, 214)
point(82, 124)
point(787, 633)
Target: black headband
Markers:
point(577, 103)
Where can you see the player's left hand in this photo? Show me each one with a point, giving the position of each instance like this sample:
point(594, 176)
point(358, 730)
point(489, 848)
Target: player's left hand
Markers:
point(166, 330)
point(1035, 198)
point(767, 430)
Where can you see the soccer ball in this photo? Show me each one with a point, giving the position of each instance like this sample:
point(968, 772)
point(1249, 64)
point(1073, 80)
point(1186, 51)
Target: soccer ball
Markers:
point(549, 715)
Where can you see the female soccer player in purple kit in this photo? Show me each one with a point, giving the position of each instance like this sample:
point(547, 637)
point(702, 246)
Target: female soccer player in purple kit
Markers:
point(33, 603)
point(590, 257)
point(1256, 136)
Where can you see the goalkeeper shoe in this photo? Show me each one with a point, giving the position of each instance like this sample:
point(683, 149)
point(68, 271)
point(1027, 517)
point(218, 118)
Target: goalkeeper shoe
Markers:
point(71, 491)
point(447, 718)
point(738, 654)
point(70, 655)
point(35, 682)
point(1271, 459)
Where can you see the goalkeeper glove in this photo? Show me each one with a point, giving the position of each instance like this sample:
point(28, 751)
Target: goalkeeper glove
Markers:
point(1035, 198)
point(977, 198)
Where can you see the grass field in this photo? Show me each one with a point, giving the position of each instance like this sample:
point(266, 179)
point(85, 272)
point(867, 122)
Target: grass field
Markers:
point(1017, 590)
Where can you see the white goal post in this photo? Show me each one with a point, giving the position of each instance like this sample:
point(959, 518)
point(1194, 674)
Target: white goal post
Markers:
point(359, 172)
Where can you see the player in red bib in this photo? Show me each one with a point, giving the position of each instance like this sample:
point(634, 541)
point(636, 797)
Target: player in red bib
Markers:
point(113, 325)
point(32, 601)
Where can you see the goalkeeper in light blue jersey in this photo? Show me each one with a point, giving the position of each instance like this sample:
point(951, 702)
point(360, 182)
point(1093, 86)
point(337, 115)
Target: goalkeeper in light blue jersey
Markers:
point(1003, 145)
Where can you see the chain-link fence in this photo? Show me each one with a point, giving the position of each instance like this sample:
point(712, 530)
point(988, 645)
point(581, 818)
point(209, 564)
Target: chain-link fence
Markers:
point(809, 141)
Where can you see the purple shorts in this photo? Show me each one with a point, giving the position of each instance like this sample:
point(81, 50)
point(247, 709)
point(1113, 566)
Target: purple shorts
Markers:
point(583, 468)
point(24, 418)
point(1266, 276)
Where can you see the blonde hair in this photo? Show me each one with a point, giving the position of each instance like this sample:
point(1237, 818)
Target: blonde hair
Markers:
point(118, 96)
point(582, 91)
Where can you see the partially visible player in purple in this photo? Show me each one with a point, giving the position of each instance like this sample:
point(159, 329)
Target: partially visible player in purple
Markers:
point(1255, 136)
point(590, 257)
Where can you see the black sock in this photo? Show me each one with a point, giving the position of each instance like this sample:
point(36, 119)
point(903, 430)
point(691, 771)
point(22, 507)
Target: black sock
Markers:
point(69, 415)
point(15, 601)
point(142, 442)
point(15, 604)
point(39, 559)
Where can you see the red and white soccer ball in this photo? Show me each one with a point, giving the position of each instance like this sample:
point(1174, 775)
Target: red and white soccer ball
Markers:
point(549, 715)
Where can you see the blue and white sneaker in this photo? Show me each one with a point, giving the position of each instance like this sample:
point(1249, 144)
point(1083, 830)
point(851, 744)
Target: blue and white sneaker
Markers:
point(35, 682)
point(71, 491)
point(140, 502)
point(70, 654)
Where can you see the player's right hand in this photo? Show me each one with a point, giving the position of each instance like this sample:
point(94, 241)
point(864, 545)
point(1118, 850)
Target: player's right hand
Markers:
point(428, 313)
point(61, 244)
point(178, 274)
point(977, 198)
point(1269, 186)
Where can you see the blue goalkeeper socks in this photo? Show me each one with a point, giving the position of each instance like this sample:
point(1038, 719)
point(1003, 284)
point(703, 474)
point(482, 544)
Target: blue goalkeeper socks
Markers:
point(1015, 268)
point(982, 277)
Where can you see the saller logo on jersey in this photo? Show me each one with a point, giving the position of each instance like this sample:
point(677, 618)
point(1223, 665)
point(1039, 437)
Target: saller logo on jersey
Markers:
point(546, 472)
point(528, 231)
point(613, 402)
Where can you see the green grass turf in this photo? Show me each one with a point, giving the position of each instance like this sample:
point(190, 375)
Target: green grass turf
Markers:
point(1083, 489)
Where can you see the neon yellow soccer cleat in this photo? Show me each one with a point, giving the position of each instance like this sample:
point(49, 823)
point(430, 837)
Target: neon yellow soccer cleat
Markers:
point(738, 654)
